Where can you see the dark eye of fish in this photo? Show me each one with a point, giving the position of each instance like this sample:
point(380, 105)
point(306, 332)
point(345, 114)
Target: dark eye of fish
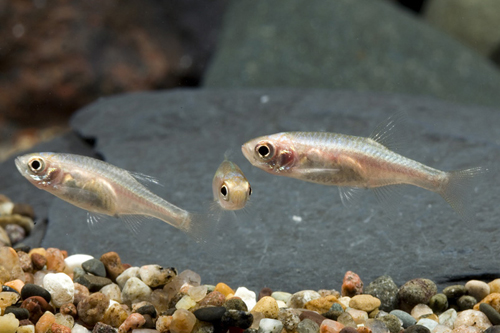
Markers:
point(224, 191)
point(249, 190)
point(265, 150)
point(36, 165)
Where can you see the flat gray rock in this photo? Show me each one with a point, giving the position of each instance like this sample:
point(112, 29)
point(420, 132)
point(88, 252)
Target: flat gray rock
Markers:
point(294, 235)
point(361, 45)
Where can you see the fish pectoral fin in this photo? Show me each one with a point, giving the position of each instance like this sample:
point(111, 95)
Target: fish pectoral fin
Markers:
point(145, 179)
point(350, 196)
point(393, 132)
point(95, 222)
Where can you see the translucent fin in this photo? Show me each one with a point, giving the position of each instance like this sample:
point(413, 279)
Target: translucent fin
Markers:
point(458, 190)
point(201, 227)
point(145, 179)
point(134, 223)
point(95, 222)
point(390, 197)
point(393, 132)
point(350, 196)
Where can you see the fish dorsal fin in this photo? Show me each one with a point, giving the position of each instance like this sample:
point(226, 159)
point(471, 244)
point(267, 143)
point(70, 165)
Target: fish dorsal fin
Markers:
point(145, 179)
point(393, 132)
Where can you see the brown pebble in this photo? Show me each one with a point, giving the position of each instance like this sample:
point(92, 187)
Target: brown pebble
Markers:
point(135, 320)
point(348, 329)
point(113, 265)
point(214, 298)
point(24, 210)
point(352, 284)
point(115, 315)
point(38, 261)
point(322, 304)
point(103, 328)
point(36, 306)
point(126, 266)
point(25, 322)
point(183, 321)
point(55, 260)
point(264, 292)
point(45, 322)
point(68, 309)
point(29, 277)
point(25, 261)
point(81, 293)
point(57, 328)
point(316, 317)
point(91, 309)
point(364, 329)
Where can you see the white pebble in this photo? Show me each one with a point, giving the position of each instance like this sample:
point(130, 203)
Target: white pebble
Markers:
point(113, 292)
point(270, 326)
point(247, 296)
point(198, 293)
point(429, 323)
point(79, 329)
point(26, 329)
point(472, 318)
point(281, 296)
point(441, 329)
point(155, 275)
point(477, 289)
point(127, 274)
point(281, 304)
point(74, 261)
point(8, 323)
point(135, 291)
point(345, 300)
point(61, 288)
point(420, 310)
point(185, 302)
point(448, 318)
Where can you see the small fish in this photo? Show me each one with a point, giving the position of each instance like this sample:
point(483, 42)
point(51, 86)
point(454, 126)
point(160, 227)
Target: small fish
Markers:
point(354, 163)
point(103, 189)
point(230, 187)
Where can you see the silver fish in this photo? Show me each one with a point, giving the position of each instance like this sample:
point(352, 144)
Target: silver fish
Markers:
point(230, 187)
point(101, 188)
point(354, 163)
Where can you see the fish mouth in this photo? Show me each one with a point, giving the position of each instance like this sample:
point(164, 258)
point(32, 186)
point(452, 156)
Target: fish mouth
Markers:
point(20, 164)
point(247, 151)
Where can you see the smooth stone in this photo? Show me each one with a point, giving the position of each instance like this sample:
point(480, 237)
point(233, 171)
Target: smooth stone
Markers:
point(183, 321)
point(113, 292)
point(493, 329)
point(330, 326)
point(405, 317)
point(366, 303)
point(185, 302)
point(307, 326)
point(346, 319)
point(448, 318)
point(235, 304)
point(420, 310)
point(351, 285)
point(268, 325)
point(385, 290)
point(210, 314)
point(416, 291)
point(235, 318)
point(95, 267)
point(417, 329)
point(267, 306)
point(454, 292)
point(472, 318)
point(248, 296)
point(477, 289)
point(148, 309)
point(75, 260)
point(490, 312)
point(316, 317)
point(198, 293)
point(127, 274)
point(93, 283)
point(31, 289)
point(281, 296)
point(8, 323)
point(61, 288)
point(135, 290)
point(466, 302)
point(155, 275)
point(113, 264)
point(441, 329)
point(213, 298)
point(392, 322)
point(429, 323)
point(20, 313)
point(300, 298)
point(438, 303)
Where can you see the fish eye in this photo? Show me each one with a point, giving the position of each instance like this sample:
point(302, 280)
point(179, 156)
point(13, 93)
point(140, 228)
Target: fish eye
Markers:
point(224, 191)
point(36, 164)
point(249, 190)
point(265, 150)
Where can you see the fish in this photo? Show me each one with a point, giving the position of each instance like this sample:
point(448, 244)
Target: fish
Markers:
point(354, 163)
point(103, 190)
point(231, 189)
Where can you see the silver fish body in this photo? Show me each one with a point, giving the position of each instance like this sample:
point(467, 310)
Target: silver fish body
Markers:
point(231, 190)
point(98, 187)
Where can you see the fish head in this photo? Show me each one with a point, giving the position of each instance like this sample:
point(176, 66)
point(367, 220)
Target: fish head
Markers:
point(39, 168)
point(272, 153)
point(230, 187)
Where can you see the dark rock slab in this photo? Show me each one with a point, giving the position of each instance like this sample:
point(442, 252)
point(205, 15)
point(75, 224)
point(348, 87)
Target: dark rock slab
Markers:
point(293, 235)
point(356, 45)
point(19, 190)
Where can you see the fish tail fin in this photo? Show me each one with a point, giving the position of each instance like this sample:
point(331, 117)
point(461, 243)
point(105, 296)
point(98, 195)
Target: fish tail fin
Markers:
point(201, 226)
point(458, 188)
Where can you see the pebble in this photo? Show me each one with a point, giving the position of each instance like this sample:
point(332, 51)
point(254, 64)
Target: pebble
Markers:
point(55, 260)
point(224, 289)
point(68, 309)
point(365, 302)
point(494, 286)
point(95, 267)
point(392, 322)
point(235, 318)
point(321, 304)
point(57, 328)
point(472, 318)
point(113, 292)
point(36, 306)
point(113, 265)
point(264, 292)
point(197, 293)
point(376, 326)
point(115, 315)
point(289, 318)
point(417, 329)
point(247, 296)
point(281, 296)
point(185, 302)
point(182, 321)
point(316, 317)
point(15, 232)
point(61, 288)
point(420, 310)
point(25, 328)
point(45, 322)
point(155, 275)
point(441, 329)
point(438, 303)
point(307, 326)
point(330, 326)
point(79, 329)
point(299, 299)
point(493, 329)
point(429, 323)
point(23, 210)
point(135, 320)
point(267, 306)
point(235, 303)
point(103, 328)
point(454, 292)
point(92, 309)
point(163, 324)
point(135, 290)
point(65, 320)
point(477, 289)
point(75, 261)
point(127, 274)
point(268, 325)
point(8, 323)
point(4, 238)
point(359, 316)
point(210, 314)
point(213, 298)
point(466, 302)
point(349, 330)
point(25, 261)
point(448, 318)
point(92, 282)
point(492, 299)
point(352, 284)
point(187, 279)
point(405, 317)
point(38, 261)
point(159, 298)
point(17, 285)
point(414, 292)
point(346, 319)
point(81, 292)
point(19, 313)
point(490, 312)
point(9, 261)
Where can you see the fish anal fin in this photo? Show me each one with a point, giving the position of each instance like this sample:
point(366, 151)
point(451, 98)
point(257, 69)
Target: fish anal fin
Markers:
point(95, 221)
point(350, 196)
point(134, 223)
point(393, 132)
point(390, 197)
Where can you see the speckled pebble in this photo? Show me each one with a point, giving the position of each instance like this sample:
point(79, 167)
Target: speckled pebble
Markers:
point(448, 318)
point(25, 261)
point(113, 265)
point(490, 312)
point(307, 326)
point(61, 288)
point(103, 328)
point(135, 290)
point(268, 325)
point(183, 321)
point(115, 315)
point(235, 303)
point(472, 318)
point(267, 306)
point(299, 299)
point(438, 303)
point(454, 292)
point(352, 284)
point(466, 302)
point(156, 275)
point(248, 296)
point(135, 320)
point(113, 292)
point(235, 318)
point(289, 318)
point(322, 304)
point(92, 309)
point(414, 292)
point(163, 324)
point(57, 328)
point(405, 317)
point(392, 322)
point(417, 329)
point(429, 323)
point(477, 289)
point(385, 290)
